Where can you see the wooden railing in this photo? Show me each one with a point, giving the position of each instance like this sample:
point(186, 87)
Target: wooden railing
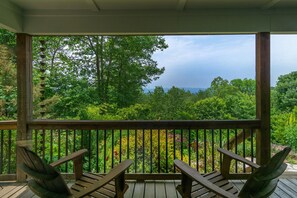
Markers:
point(8, 149)
point(152, 145)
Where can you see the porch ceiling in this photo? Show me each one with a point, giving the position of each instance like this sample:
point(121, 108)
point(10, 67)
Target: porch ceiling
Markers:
point(148, 16)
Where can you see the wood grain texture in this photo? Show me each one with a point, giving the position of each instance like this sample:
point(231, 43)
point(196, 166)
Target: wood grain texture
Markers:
point(24, 92)
point(263, 135)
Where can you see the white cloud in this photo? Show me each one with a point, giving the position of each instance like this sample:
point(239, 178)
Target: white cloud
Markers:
point(193, 61)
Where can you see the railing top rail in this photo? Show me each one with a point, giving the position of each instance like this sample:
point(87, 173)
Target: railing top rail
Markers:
point(143, 124)
point(8, 125)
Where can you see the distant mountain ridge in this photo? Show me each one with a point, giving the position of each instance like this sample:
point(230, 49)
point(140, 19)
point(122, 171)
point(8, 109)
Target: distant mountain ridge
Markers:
point(166, 89)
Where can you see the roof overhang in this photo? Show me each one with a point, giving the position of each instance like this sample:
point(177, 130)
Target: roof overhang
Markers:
point(77, 17)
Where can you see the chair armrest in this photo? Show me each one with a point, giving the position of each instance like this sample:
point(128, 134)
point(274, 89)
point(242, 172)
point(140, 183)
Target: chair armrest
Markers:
point(194, 175)
point(77, 158)
point(113, 173)
point(238, 158)
point(72, 156)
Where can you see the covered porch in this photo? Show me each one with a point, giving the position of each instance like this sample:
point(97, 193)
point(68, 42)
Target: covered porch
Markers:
point(249, 138)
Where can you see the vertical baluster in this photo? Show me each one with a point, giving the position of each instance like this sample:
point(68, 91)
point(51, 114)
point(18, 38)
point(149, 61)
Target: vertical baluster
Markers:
point(51, 145)
point(59, 144)
point(135, 152)
point(151, 150)
point(104, 161)
point(236, 152)
point(174, 152)
point(205, 150)
point(112, 148)
point(120, 152)
point(221, 145)
point(82, 139)
point(252, 144)
point(166, 142)
point(74, 140)
point(212, 150)
point(128, 146)
point(143, 150)
point(189, 144)
point(97, 151)
point(197, 151)
point(66, 149)
point(228, 139)
point(90, 150)
point(9, 151)
point(243, 147)
point(43, 143)
point(1, 154)
point(181, 144)
point(36, 144)
point(159, 154)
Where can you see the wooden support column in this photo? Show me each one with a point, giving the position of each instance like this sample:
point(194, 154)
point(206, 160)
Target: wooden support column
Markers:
point(263, 97)
point(24, 91)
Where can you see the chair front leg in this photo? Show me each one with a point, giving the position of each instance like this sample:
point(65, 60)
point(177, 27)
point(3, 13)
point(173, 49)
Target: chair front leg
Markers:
point(78, 167)
point(186, 186)
point(120, 185)
point(225, 167)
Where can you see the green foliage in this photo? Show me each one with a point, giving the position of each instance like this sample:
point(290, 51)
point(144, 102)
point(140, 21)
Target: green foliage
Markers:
point(278, 125)
point(286, 95)
point(241, 106)
point(290, 134)
point(8, 90)
point(104, 111)
point(211, 109)
point(93, 70)
point(284, 127)
point(134, 112)
point(8, 39)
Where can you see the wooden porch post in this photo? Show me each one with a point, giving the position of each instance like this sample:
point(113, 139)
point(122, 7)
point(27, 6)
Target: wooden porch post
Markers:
point(24, 92)
point(263, 96)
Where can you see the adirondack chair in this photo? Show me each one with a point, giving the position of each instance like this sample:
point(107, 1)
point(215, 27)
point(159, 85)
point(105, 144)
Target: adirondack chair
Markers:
point(47, 182)
point(261, 183)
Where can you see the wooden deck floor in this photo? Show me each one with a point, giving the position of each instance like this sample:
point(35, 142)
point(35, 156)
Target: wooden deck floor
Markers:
point(149, 189)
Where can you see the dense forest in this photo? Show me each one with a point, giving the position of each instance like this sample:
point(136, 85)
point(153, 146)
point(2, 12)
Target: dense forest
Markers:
point(102, 78)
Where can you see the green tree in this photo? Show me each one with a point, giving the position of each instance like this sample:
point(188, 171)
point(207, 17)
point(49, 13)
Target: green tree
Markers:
point(119, 65)
point(157, 101)
point(94, 70)
point(213, 108)
point(8, 87)
point(286, 94)
point(247, 86)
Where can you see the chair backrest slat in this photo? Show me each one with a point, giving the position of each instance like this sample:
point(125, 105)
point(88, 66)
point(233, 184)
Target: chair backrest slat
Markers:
point(263, 181)
point(37, 165)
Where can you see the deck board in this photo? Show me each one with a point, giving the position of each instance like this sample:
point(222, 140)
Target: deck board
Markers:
point(287, 188)
point(160, 189)
point(150, 189)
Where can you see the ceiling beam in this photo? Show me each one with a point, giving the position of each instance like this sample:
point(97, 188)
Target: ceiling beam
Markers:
point(145, 22)
point(93, 5)
point(181, 5)
point(270, 4)
point(11, 16)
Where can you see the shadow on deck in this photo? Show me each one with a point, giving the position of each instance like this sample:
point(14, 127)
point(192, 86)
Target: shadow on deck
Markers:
point(148, 189)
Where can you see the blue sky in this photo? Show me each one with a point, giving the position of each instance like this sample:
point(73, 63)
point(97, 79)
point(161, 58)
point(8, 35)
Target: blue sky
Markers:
point(194, 61)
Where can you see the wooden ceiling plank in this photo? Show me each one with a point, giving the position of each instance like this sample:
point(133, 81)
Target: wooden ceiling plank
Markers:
point(94, 6)
point(181, 4)
point(270, 4)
